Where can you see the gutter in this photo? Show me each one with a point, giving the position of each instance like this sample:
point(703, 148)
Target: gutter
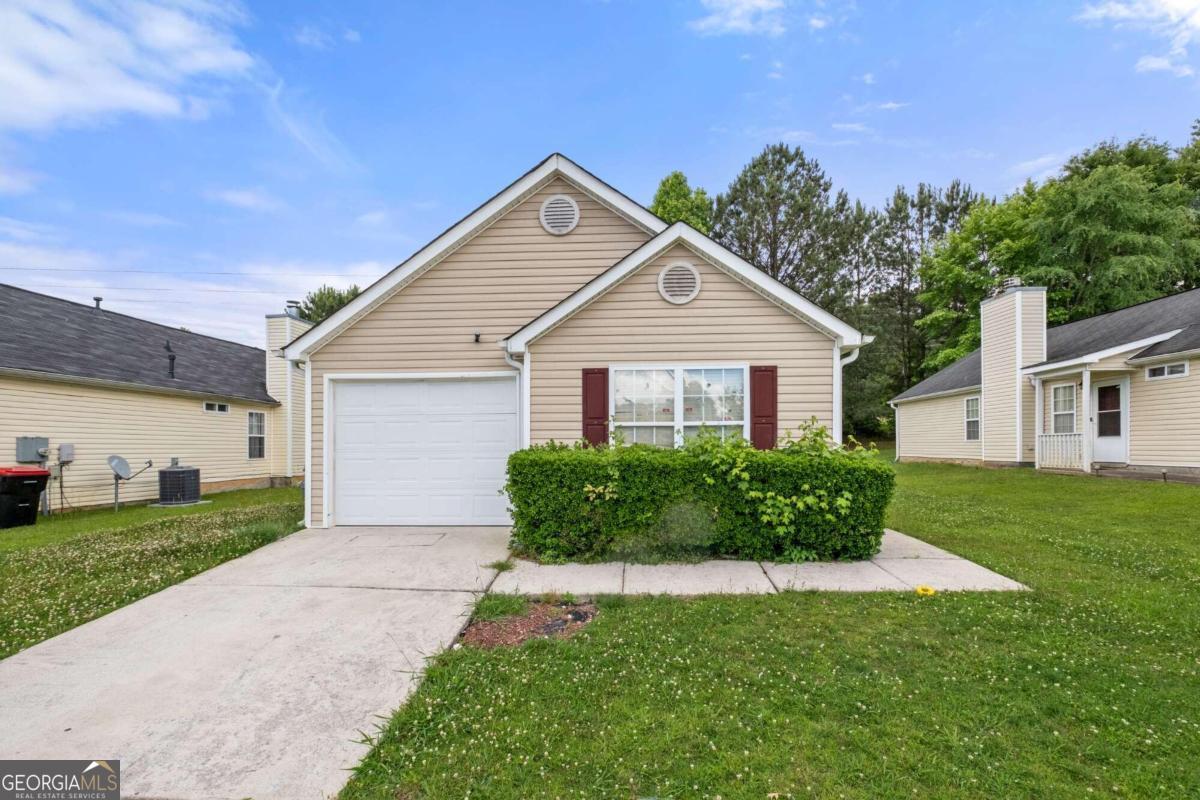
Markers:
point(105, 383)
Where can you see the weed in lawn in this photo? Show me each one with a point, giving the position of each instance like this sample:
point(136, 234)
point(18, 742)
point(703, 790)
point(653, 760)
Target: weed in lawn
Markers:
point(496, 606)
point(501, 566)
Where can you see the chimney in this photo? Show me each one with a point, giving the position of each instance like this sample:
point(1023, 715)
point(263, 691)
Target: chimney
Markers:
point(1012, 336)
point(97, 299)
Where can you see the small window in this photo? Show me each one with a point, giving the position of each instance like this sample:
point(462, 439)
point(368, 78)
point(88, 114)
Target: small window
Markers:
point(1176, 370)
point(257, 429)
point(216, 408)
point(971, 412)
point(1063, 408)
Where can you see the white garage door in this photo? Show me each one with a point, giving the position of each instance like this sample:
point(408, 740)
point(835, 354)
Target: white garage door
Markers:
point(422, 452)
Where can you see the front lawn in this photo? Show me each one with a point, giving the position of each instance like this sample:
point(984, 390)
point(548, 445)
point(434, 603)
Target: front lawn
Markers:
point(1087, 686)
point(67, 570)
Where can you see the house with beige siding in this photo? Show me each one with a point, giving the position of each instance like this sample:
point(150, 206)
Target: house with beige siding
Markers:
point(1117, 393)
point(558, 310)
point(82, 383)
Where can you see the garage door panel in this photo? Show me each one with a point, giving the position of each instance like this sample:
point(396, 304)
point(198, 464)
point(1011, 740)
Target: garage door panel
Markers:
point(422, 452)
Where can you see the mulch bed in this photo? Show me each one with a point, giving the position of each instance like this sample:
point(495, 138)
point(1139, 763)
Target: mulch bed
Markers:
point(541, 621)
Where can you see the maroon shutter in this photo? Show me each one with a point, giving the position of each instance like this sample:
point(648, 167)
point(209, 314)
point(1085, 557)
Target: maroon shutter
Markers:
point(595, 405)
point(764, 407)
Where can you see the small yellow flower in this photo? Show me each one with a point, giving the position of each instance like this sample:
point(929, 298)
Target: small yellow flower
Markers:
point(926, 591)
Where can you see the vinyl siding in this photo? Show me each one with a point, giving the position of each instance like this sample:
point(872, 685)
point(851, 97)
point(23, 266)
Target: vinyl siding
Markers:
point(936, 428)
point(631, 323)
point(134, 424)
point(1033, 351)
point(493, 284)
point(1164, 426)
point(999, 373)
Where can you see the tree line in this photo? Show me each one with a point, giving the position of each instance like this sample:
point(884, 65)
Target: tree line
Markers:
point(1119, 224)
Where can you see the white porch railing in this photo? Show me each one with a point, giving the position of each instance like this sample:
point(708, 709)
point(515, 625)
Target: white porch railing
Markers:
point(1060, 450)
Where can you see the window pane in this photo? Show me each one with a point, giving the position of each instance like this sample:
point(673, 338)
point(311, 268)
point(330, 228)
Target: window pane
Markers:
point(1108, 398)
point(1176, 369)
point(973, 408)
point(1064, 423)
point(1156, 372)
point(664, 437)
point(972, 430)
point(1108, 423)
point(1064, 398)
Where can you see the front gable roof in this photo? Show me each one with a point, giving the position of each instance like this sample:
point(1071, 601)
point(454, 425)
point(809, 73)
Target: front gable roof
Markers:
point(556, 165)
point(681, 233)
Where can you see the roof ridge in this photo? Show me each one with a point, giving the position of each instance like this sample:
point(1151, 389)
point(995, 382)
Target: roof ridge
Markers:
point(164, 326)
point(1123, 308)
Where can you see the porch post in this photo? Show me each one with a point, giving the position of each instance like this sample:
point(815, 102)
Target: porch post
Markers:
point(1038, 426)
point(1087, 419)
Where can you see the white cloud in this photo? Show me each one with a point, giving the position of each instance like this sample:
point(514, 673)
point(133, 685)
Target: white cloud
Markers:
point(312, 36)
point(868, 78)
point(141, 219)
point(817, 23)
point(891, 105)
point(1041, 167)
point(352, 36)
point(1176, 21)
point(740, 17)
point(23, 231)
point(249, 199)
point(305, 124)
point(373, 219)
point(1162, 64)
point(854, 127)
point(70, 62)
point(16, 181)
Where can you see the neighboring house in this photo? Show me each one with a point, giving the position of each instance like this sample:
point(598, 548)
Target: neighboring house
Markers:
point(1118, 390)
point(107, 384)
point(555, 309)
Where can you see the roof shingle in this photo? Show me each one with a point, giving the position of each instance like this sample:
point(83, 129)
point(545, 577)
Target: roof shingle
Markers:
point(59, 337)
point(1074, 339)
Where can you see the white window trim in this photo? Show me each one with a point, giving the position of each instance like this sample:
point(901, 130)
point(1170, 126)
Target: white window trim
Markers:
point(1074, 412)
point(217, 407)
point(678, 367)
point(1166, 376)
point(977, 418)
point(250, 436)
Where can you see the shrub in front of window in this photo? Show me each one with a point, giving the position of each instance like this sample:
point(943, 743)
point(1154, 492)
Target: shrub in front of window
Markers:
point(804, 501)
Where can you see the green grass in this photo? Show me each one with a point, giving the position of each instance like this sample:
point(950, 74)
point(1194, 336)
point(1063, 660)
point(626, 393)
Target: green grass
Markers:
point(79, 567)
point(498, 606)
point(1087, 686)
point(61, 527)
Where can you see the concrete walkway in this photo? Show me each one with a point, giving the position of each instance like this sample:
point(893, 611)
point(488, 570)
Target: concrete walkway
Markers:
point(253, 679)
point(903, 564)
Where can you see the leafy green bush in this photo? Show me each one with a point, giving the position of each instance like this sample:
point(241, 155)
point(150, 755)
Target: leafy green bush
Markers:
point(806, 500)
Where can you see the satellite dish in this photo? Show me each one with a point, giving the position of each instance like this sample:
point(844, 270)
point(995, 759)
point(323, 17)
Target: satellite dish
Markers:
point(120, 467)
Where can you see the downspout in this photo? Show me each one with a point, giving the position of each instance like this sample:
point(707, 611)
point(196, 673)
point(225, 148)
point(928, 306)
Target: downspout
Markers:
point(896, 426)
point(521, 410)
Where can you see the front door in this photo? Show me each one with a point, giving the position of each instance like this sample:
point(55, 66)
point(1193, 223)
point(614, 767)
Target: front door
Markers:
point(1110, 399)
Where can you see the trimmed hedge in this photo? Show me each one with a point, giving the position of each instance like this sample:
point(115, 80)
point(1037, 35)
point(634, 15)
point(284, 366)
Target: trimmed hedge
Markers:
point(798, 503)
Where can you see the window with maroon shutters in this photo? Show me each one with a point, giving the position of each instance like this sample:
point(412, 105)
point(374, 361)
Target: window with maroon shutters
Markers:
point(595, 405)
point(764, 407)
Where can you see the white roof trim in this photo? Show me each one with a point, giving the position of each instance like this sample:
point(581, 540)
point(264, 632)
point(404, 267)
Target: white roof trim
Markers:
point(377, 292)
point(846, 336)
point(1183, 355)
point(1099, 355)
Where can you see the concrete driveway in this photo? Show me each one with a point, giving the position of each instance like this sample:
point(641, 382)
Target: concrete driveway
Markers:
point(253, 679)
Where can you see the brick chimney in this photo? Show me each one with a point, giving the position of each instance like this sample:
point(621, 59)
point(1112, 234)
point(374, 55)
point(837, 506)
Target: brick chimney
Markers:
point(1013, 336)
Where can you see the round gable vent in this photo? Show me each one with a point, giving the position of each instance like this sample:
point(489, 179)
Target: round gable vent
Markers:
point(679, 283)
point(560, 214)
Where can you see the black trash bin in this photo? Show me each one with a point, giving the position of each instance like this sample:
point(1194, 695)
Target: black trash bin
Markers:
point(20, 488)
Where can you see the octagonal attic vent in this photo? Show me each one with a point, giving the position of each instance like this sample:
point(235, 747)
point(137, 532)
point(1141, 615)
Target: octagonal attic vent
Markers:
point(679, 283)
point(560, 214)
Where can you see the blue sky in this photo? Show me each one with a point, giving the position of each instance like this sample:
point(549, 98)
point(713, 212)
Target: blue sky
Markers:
point(198, 162)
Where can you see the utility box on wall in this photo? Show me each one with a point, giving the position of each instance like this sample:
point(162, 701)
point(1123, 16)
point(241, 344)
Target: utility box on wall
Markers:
point(32, 449)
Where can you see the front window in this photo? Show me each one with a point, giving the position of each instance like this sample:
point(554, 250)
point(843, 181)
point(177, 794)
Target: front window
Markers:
point(971, 412)
point(1177, 370)
point(662, 405)
point(1063, 408)
point(257, 434)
